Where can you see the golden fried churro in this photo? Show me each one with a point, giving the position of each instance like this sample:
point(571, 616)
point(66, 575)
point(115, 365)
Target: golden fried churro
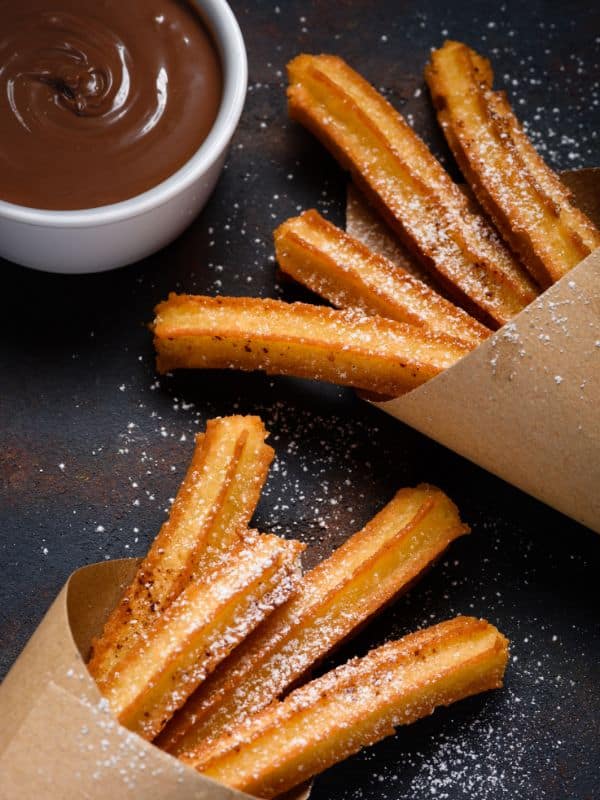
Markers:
point(416, 196)
point(198, 630)
point(366, 225)
point(332, 601)
point(357, 705)
point(210, 514)
point(344, 347)
point(344, 271)
point(531, 207)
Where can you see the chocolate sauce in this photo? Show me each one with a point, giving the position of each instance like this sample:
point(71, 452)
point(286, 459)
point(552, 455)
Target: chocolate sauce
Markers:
point(100, 99)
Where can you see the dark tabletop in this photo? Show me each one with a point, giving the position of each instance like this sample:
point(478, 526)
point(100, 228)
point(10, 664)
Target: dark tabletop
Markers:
point(94, 445)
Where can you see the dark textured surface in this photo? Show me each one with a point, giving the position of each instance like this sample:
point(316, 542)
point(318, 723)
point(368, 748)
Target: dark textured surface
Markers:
point(79, 390)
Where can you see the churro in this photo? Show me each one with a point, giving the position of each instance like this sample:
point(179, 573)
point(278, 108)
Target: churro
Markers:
point(357, 705)
point(416, 196)
point(332, 601)
point(345, 347)
point(198, 630)
point(210, 514)
point(366, 225)
point(344, 271)
point(530, 206)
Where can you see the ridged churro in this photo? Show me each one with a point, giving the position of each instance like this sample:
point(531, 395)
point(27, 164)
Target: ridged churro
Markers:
point(345, 347)
point(210, 515)
point(357, 705)
point(198, 630)
point(409, 187)
point(344, 271)
point(331, 602)
point(530, 206)
point(366, 225)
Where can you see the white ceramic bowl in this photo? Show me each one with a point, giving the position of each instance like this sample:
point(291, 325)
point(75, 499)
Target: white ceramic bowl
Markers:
point(98, 239)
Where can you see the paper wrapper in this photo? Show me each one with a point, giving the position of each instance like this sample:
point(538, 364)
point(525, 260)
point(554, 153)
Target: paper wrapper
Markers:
point(57, 738)
point(525, 405)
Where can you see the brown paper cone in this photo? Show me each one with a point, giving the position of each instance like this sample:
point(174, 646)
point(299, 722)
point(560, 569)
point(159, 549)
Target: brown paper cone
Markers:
point(58, 741)
point(526, 404)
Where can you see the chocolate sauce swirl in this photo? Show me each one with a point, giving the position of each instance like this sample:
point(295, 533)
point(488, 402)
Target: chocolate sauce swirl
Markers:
point(100, 100)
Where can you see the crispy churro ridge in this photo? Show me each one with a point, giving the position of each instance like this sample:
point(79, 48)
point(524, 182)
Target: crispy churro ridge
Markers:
point(210, 514)
point(333, 600)
point(199, 629)
point(528, 203)
point(345, 346)
point(408, 186)
point(356, 705)
point(344, 271)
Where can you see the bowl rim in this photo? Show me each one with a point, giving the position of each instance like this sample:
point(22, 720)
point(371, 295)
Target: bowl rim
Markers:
point(225, 31)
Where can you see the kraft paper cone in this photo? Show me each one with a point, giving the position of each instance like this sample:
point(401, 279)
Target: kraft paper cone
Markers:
point(525, 405)
point(58, 741)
